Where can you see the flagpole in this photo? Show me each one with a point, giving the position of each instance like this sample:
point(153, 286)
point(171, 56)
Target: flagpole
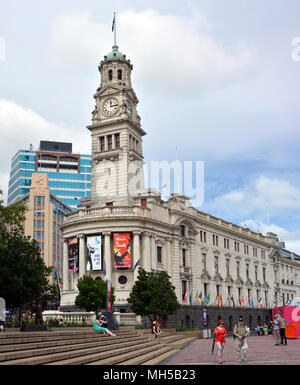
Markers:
point(115, 29)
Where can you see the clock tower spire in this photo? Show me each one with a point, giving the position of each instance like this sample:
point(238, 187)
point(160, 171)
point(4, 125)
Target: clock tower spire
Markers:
point(117, 153)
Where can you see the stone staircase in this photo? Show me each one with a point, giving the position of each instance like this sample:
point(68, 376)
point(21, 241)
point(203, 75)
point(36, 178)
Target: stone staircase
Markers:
point(84, 347)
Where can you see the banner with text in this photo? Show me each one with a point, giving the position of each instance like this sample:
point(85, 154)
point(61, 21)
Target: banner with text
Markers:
point(122, 254)
point(94, 255)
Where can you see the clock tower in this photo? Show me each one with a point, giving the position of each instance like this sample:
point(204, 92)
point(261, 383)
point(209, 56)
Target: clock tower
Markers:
point(117, 155)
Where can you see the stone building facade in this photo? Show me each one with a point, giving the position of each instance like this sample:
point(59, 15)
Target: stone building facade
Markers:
point(201, 253)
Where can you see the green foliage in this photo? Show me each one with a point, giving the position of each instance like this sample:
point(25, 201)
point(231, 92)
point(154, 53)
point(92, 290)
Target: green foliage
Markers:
point(153, 294)
point(92, 294)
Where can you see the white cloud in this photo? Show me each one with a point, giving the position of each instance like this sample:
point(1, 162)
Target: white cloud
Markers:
point(291, 238)
point(22, 126)
point(172, 51)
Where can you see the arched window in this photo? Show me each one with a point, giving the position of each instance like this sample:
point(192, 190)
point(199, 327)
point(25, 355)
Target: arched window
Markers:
point(120, 74)
point(110, 75)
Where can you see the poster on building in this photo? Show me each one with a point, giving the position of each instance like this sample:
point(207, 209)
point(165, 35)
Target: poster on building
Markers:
point(204, 318)
point(122, 254)
point(94, 255)
point(73, 254)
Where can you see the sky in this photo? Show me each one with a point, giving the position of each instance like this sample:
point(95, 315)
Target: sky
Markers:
point(217, 79)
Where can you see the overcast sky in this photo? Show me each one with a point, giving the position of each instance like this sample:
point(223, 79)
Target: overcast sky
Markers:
point(217, 79)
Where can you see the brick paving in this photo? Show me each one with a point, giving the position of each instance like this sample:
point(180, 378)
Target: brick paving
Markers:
point(261, 351)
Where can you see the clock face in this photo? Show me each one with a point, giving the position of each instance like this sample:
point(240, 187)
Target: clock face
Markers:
point(110, 106)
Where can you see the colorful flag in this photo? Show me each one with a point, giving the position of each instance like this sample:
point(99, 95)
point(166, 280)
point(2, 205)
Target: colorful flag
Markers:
point(233, 304)
point(191, 297)
point(202, 299)
point(242, 301)
point(252, 303)
point(208, 299)
point(221, 300)
point(185, 297)
point(196, 300)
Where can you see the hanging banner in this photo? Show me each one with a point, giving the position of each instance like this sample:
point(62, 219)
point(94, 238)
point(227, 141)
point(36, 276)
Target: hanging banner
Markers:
point(73, 254)
point(94, 255)
point(122, 254)
point(204, 318)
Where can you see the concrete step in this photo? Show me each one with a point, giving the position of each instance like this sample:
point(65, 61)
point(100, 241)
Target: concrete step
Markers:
point(160, 358)
point(95, 340)
point(126, 356)
point(181, 343)
point(54, 337)
point(141, 358)
point(37, 356)
point(104, 355)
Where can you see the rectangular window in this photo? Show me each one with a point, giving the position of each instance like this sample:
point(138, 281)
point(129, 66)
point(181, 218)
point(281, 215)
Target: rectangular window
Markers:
point(215, 240)
point(227, 267)
point(216, 265)
point(184, 257)
point(254, 251)
point(202, 236)
point(109, 142)
point(102, 144)
point(39, 201)
point(117, 139)
point(263, 254)
point(144, 202)
point(184, 286)
point(236, 246)
point(203, 262)
point(159, 259)
point(264, 274)
point(226, 243)
point(238, 269)
point(182, 230)
point(247, 270)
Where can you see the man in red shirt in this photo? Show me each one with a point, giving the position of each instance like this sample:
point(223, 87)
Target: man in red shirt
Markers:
point(220, 333)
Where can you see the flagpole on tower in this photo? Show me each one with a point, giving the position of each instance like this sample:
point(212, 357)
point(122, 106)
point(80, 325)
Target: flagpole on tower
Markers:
point(114, 29)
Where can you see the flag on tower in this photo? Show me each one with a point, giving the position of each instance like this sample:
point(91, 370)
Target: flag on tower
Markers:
point(114, 22)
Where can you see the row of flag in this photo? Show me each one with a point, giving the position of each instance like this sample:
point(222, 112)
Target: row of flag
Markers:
point(203, 300)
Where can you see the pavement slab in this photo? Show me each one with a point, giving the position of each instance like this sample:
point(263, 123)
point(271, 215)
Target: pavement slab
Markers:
point(261, 351)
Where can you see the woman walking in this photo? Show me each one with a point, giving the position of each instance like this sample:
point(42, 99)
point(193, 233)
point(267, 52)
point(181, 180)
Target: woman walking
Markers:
point(220, 333)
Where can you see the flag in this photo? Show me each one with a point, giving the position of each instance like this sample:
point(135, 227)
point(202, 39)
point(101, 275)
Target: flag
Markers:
point(260, 303)
point(137, 264)
point(217, 299)
point(185, 297)
point(191, 297)
point(202, 300)
point(252, 303)
point(207, 298)
point(233, 304)
point(242, 301)
point(196, 300)
point(221, 300)
point(114, 22)
point(228, 302)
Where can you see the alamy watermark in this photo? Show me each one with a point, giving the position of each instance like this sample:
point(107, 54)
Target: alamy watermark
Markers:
point(296, 51)
point(166, 177)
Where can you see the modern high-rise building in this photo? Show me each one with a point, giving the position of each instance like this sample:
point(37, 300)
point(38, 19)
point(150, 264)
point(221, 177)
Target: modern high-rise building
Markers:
point(44, 216)
point(69, 173)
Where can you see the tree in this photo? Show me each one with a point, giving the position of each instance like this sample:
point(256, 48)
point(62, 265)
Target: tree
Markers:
point(92, 294)
point(153, 294)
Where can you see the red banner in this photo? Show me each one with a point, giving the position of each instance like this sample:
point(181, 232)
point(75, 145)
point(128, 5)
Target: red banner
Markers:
point(122, 254)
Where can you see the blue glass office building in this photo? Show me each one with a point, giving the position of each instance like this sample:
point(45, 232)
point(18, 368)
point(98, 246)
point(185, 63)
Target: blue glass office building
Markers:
point(69, 174)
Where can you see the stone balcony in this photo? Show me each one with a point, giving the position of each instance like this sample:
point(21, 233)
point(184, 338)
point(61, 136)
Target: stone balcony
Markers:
point(86, 214)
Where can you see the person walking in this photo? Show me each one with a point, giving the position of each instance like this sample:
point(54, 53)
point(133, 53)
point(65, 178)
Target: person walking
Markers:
point(276, 330)
point(220, 333)
point(240, 334)
point(257, 329)
point(99, 327)
point(282, 324)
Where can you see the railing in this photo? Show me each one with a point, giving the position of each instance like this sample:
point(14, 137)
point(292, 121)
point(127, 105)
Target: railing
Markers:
point(68, 317)
point(127, 319)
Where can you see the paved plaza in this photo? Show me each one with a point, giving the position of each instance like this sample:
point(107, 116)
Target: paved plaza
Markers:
point(261, 351)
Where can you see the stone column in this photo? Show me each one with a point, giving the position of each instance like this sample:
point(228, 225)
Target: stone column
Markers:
point(153, 252)
point(65, 266)
point(193, 268)
point(176, 269)
point(82, 255)
point(107, 255)
point(146, 252)
point(136, 253)
point(168, 256)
